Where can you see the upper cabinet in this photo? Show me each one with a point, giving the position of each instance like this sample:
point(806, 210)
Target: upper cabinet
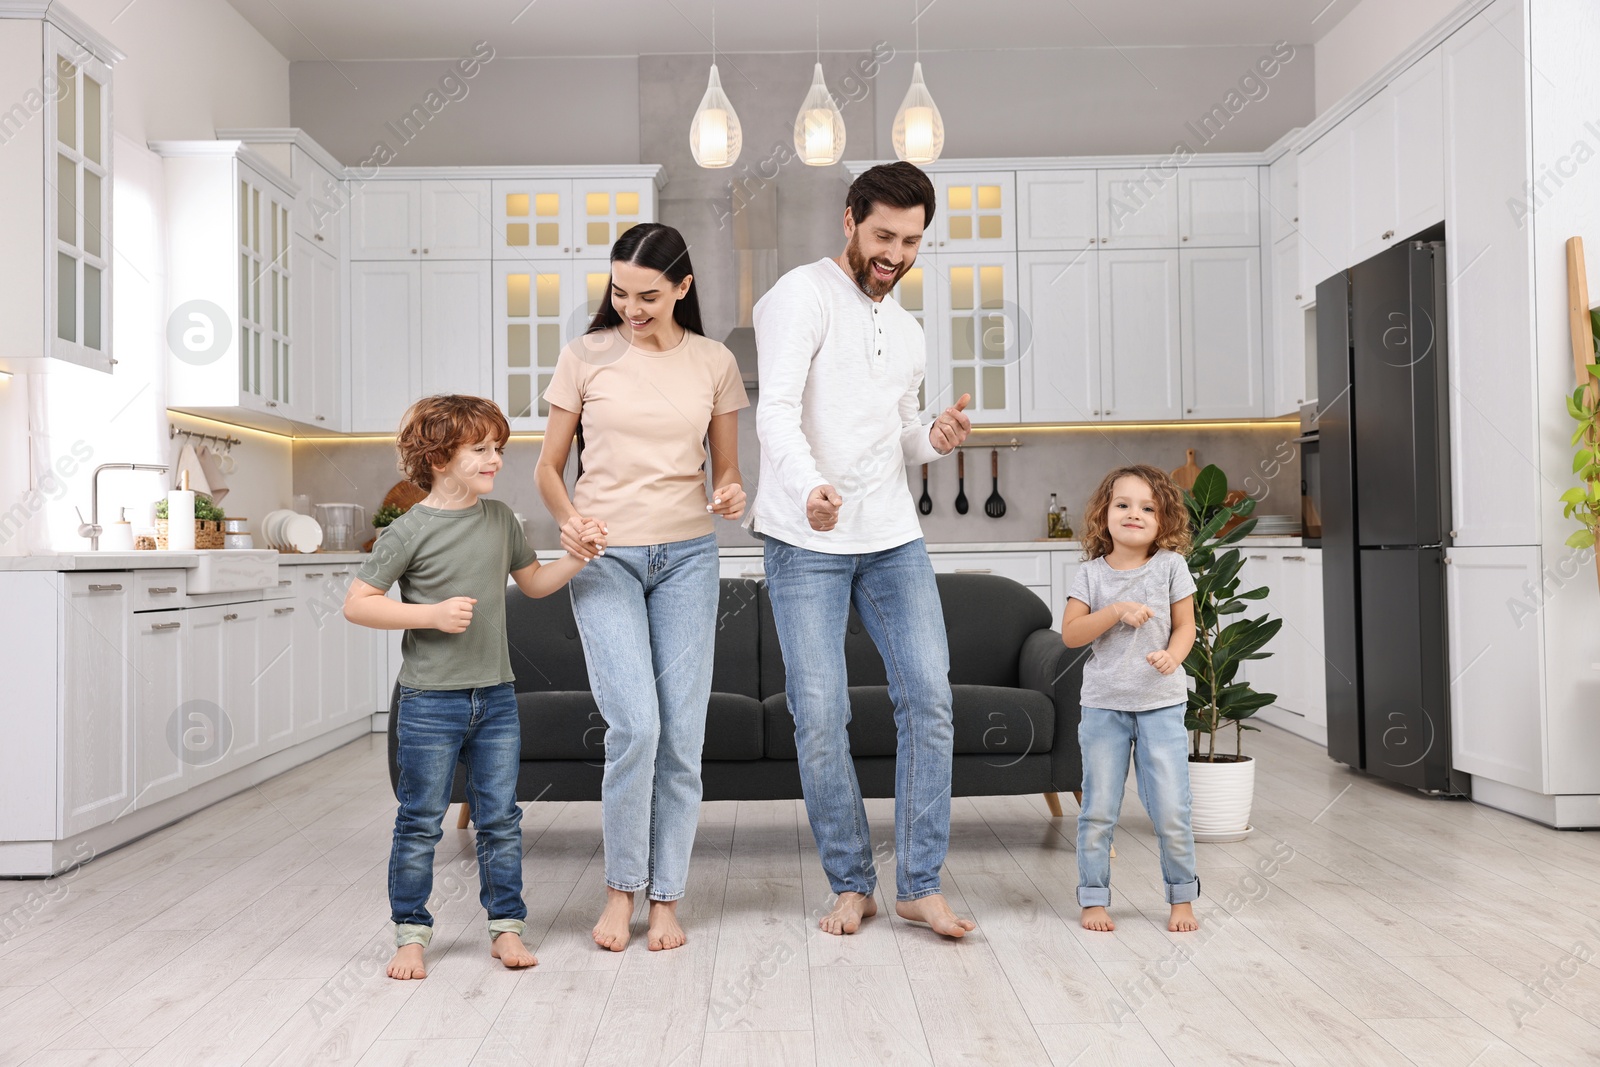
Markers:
point(1219, 298)
point(1283, 197)
point(1219, 207)
point(539, 306)
point(976, 212)
point(422, 220)
point(1397, 142)
point(1325, 169)
point(1138, 209)
point(567, 217)
point(1056, 210)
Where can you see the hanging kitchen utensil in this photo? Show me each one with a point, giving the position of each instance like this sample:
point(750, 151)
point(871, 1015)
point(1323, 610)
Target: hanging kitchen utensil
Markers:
point(925, 505)
point(1186, 474)
point(995, 506)
point(961, 483)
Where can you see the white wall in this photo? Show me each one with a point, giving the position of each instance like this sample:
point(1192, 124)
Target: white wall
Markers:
point(1371, 34)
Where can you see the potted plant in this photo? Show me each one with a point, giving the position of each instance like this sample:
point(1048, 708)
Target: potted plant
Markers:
point(1582, 502)
point(1222, 784)
point(207, 523)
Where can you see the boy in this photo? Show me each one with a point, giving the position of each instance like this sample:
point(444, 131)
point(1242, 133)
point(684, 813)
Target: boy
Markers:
point(451, 553)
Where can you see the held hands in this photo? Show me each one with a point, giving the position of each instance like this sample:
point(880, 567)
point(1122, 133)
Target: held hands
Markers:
point(584, 538)
point(453, 615)
point(728, 501)
point(951, 427)
point(822, 508)
point(1162, 661)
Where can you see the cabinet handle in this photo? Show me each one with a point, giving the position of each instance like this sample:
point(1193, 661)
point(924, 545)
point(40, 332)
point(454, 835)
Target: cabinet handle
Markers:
point(1297, 218)
point(1301, 559)
point(313, 574)
point(1297, 296)
point(566, 250)
point(576, 250)
point(1094, 413)
point(1387, 234)
point(272, 403)
point(413, 251)
point(1255, 556)
point(163, 589)
point(283, 611)
point(752, 574)
point(974, 570)
point(285, 581)
point(1106, 412)
point(230, 616)
point(1189, 411)
point(113, 588)
point(340, 574)
point(166, 626)
point(1185, 237)
point(321, 419)
point(318, 236)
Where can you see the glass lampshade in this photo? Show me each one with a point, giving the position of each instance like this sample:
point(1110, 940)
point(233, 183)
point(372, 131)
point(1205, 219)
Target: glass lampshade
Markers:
point(714, 134)
point(819, 127)
point(918, 129)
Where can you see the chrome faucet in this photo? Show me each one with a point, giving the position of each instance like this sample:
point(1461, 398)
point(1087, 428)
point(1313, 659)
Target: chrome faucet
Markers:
point(92, 529)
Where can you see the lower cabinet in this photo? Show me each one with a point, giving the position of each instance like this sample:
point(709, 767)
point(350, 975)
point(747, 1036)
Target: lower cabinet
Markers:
point(1031, 569)
point(1294, 670)
point(162, 663)
point(97, 732)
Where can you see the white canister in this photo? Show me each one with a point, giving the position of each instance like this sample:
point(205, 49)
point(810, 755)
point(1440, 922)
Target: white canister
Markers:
point(180, 520)
point(118, 537)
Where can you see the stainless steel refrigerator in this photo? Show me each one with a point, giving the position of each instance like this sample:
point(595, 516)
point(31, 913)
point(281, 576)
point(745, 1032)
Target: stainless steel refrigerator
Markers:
point(1384, 441)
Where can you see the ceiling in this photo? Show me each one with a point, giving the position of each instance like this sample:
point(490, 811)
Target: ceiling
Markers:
point(418, 29)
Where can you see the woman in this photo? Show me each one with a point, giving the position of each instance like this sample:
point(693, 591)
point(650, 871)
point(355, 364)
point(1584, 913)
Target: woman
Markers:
point(648, 389)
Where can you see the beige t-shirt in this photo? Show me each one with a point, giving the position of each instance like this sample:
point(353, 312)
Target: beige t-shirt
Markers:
point(645, 416)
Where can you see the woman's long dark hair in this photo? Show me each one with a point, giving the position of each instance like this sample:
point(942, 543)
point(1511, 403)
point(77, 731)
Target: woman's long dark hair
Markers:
point(657, 247)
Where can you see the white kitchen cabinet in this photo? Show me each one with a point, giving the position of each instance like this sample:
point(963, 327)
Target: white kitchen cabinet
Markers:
point(316, 612)
point(274, 688)
point(1397, 145)
point(979, 336)
point(1031, 569)
point(1138, 209)
point(926, 304)
point(1372, 178)
point(1059, 293)
point(161, 666)
point(457, 316)
point(1140, 363)
point(1064, 566)
point(1291, 386)
point(1220, 332)
point(539, 306)
point(752, 567)
point(1283, 192)
point(1496, 655)
point(229, 278)
point(1295, 670)
point(1219, 207)
point(385, 343)
point(319, 208)
point(420, 220)
point(976, 212)
point(1325, 171)
point(242, 664)
point(97, 742)
point(317, 326)
point(1057, 210)
point(543, 218)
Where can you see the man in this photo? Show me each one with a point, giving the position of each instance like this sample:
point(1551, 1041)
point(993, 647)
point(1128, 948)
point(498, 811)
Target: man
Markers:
point(838, 423)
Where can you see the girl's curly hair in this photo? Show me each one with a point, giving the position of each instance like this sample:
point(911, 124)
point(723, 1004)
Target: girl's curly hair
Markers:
point(1172, 517)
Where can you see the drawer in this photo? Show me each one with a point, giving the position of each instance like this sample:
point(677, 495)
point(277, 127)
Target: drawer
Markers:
point(742, 567)
point(1028, 568)
point(155, 590)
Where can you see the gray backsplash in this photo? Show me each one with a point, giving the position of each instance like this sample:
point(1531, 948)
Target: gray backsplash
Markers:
point(1070, 462)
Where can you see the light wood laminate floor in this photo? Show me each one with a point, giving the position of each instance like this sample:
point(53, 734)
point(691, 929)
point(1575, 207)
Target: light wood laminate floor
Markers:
point(1361, 924)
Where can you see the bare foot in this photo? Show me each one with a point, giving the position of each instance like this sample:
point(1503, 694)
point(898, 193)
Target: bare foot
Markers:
point(1096, 918)
point(1182, 919)
point(407, 963)
point(611, 931)
point(664, 929)
point(509, 950)
point(934, 911)
point(847, 913)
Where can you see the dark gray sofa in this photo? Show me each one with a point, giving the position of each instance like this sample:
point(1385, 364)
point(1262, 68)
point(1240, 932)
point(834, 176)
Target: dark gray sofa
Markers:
point(1015, 689)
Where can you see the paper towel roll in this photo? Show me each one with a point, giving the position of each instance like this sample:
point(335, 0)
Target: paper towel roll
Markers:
point(180, 520)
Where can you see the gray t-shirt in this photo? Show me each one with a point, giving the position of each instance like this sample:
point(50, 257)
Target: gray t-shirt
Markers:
point(1117, 677)
point(437, 554)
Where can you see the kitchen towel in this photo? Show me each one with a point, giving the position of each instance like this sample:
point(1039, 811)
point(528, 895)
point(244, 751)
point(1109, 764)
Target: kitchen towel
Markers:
point(213, 474)
point(189, 463)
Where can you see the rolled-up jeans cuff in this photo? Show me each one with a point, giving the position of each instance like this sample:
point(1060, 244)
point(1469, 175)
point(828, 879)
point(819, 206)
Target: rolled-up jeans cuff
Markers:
point(506, 926)
point(1094, 896)
point(1182, 894)
point(412, 934)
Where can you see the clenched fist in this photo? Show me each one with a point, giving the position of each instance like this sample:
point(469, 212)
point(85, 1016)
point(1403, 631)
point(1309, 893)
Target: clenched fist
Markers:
point(1162, 661)
point(822, 507)
point(453, 615)
point(1135, 615)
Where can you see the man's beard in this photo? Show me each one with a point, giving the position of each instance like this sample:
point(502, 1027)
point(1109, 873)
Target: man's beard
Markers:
point(861, 269)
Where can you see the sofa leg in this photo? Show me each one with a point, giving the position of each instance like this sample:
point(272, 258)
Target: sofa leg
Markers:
point(1053, 802)
point(1078, 795)
point(466, 814)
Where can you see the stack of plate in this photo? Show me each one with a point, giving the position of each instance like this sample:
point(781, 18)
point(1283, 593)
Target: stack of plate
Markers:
point(1278, 525)
point(289, 531)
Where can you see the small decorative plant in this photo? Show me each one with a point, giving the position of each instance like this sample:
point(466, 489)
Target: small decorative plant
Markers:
point(1582, 502)
point(205, 510)
point(1221, 647)
point(385, 515)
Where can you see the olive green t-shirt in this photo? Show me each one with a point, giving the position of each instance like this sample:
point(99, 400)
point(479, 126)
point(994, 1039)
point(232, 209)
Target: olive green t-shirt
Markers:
point(436, 554)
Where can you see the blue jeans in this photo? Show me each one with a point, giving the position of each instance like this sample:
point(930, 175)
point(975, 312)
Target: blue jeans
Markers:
point(434, 730)
point(648, 618)
point(1160, 747)
point(897, 598)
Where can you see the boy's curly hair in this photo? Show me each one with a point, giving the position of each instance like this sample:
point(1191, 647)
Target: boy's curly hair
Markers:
point(435, 427)
point(1172, 517)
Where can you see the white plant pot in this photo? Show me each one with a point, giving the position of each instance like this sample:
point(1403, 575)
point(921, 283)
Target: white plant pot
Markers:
point(1222, 794)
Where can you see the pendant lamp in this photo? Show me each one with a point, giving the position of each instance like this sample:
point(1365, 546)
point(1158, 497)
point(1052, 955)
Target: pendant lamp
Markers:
point(714, 135)
point(819, 127)
point(918, 130)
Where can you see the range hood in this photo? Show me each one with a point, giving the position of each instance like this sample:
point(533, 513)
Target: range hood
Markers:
point(755, 252)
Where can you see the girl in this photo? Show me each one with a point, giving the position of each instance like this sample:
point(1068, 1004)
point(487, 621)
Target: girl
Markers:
point(648, 389)
point(1134, 600)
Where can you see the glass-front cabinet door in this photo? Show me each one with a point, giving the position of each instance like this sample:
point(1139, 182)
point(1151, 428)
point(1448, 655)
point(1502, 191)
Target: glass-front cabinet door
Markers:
point(264, 230)
point(532, 218)
point(920, 293)
point(976, 211)
point(539, 306)
point(980, 335)
point(78, 175)
point(606, 209)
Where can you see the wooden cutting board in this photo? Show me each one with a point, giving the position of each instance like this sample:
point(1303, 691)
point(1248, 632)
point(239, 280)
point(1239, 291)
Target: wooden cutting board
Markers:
point(402, 495)
point(1186, 474)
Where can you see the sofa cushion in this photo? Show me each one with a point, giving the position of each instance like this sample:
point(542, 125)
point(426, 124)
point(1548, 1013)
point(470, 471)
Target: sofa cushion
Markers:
point(989, 720)
point(547, 653)
point(568, 725)
point(986, 619)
